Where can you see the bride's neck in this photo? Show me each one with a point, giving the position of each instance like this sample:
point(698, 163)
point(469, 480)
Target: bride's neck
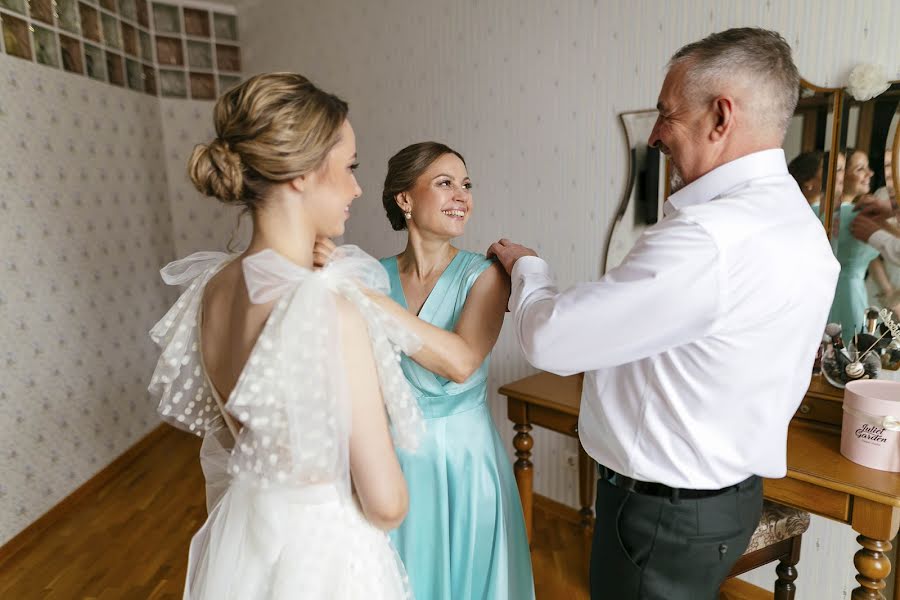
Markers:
point(285, 230)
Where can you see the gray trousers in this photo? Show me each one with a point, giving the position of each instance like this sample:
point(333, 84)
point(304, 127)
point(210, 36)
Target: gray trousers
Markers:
point(660, 548)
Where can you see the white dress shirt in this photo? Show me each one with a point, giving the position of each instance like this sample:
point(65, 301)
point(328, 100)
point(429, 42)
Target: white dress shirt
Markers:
point(886, 244)
point(698, 348)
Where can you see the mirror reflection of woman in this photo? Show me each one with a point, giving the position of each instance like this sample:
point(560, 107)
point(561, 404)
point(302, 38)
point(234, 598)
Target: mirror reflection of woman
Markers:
point(806, 169)
point(851, 298)
point(884, 275)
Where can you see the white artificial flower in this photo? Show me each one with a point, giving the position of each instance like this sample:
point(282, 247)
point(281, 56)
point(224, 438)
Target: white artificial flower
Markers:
point(867, 81)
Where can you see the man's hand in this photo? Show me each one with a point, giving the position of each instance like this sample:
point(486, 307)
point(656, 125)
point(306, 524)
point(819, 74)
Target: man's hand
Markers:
point(322, 252)
point(508, 253)
point(863, 226)
point(874, 207)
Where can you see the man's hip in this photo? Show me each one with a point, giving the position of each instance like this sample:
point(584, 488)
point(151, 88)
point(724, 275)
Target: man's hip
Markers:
point(652, 541)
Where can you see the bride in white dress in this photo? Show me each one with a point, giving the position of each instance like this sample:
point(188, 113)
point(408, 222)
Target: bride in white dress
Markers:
point(289, 373)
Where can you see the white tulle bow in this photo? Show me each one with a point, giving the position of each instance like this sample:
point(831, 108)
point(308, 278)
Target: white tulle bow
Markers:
point(187, 269)
point(270, 276)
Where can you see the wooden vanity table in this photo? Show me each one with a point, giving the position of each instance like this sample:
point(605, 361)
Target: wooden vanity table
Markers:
point(819, 479)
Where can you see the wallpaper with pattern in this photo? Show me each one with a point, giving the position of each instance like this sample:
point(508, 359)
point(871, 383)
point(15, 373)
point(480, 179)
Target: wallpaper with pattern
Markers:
point(84, 228)
point(529, 91)
point(198, 222)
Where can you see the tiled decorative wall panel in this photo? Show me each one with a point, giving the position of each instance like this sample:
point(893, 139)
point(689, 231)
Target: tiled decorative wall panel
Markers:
point(164, 48)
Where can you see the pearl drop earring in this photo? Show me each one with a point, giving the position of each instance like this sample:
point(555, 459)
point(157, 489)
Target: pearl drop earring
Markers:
point(408, 215)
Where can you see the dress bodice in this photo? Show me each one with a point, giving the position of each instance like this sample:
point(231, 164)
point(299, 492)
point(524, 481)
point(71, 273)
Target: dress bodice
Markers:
point(438, 396)
point(853, 254)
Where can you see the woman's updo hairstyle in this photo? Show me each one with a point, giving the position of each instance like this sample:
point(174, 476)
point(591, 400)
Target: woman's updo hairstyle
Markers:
point(404, 168)
point(272, 128)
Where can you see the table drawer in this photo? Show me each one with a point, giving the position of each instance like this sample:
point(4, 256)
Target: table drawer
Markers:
point(823, 410)
point(809, 497)
point(553, 420)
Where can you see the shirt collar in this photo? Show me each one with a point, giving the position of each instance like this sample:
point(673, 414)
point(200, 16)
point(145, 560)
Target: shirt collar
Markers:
point(726, 177)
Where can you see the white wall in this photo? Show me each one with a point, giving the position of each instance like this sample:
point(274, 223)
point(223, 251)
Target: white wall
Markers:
point(528, 91)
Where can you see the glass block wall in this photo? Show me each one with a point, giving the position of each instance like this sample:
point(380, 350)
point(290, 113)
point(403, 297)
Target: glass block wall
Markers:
point(174, 50)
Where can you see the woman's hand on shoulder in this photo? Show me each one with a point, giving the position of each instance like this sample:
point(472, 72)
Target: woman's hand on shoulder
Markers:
point(322, 251)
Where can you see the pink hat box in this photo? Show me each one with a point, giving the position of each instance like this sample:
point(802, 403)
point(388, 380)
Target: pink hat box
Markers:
point(870, 434)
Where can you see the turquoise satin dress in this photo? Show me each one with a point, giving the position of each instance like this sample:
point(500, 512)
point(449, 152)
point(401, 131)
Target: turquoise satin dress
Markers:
point(850, 297)
point(464, 536)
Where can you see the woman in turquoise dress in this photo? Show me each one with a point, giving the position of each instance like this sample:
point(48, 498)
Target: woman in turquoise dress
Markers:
point(851, 297)
point(464, 536)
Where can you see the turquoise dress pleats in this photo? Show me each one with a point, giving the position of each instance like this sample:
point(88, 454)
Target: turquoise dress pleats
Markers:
point(464, 536)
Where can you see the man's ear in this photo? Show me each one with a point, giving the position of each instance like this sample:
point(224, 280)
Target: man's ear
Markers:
point(723, 118)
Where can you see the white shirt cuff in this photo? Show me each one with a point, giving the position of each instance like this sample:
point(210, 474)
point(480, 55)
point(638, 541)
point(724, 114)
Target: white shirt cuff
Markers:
point(879, 240)
point(524, 267)
point(530, 265)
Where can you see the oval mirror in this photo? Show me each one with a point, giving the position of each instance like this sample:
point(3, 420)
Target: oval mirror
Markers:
point(810, 138)
point(868, 138)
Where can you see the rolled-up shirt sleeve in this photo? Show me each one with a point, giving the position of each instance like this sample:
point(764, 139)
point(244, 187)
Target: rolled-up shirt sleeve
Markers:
point(666, 293)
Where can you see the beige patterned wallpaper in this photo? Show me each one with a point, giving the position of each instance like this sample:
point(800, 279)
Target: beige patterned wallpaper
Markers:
point(84, 228)
point(198, 222)
point(529, 91)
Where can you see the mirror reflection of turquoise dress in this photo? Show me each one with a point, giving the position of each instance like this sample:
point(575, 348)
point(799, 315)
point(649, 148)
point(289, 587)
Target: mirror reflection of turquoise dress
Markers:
point(464, 536)
point(850, 297)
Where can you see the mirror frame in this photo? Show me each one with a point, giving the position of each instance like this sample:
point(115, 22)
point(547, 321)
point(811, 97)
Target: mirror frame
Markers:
point(629, 186)
point(895, 149)
point(838, 108)
point(836, 147)
point(833, 149)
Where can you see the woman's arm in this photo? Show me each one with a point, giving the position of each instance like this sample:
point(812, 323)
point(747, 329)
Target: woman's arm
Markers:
point(374, 469)
point(457, 354)
point(879, 275)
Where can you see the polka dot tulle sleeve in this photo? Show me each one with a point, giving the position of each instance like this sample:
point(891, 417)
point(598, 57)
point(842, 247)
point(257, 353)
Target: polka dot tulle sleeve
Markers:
point(185, 398)
point(290, 398)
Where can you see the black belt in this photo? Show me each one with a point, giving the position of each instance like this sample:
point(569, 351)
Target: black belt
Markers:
point(649, 488)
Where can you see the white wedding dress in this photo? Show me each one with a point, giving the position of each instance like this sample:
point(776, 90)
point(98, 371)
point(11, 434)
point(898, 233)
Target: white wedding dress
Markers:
point(283, 523)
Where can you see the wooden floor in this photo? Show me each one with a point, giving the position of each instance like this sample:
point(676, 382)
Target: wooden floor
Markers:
point(129, 540)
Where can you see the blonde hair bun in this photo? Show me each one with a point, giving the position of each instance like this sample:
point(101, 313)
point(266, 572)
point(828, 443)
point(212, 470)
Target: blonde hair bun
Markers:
point(216, 171)
point(272, 128)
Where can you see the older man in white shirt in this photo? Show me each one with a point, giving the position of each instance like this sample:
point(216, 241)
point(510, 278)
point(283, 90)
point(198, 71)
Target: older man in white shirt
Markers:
point(698, 348)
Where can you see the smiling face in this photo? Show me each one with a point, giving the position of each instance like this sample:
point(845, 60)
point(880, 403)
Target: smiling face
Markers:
point(858, 175)
point(440, 201)
point(332, 188)
point(680, 129)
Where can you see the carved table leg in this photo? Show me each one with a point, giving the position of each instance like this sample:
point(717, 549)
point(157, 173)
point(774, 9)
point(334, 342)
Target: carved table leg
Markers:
point(873, 566)
point(524, 470)
point(587, 482)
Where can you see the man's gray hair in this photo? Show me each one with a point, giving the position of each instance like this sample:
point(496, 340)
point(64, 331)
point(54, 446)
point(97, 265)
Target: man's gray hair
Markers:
point(758, 58)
